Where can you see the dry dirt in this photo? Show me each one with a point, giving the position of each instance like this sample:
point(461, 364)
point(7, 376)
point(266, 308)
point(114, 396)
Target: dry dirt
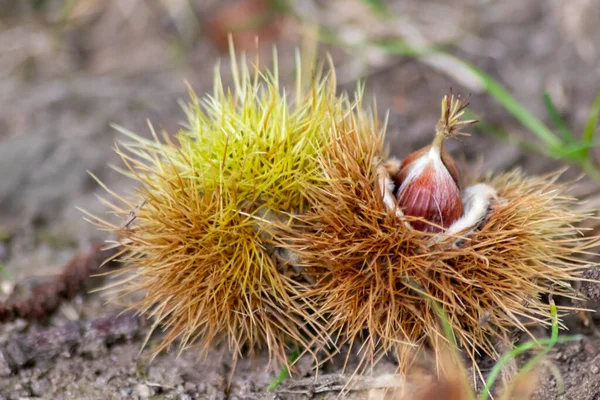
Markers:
point(64, 77)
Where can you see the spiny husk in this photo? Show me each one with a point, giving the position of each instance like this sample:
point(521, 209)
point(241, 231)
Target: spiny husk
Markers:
point(255, 177)
point(376, 277)
point(198, 246)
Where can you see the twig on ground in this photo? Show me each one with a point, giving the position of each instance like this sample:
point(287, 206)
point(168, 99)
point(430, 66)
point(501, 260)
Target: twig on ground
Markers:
point(340, 383)
point(37, 298)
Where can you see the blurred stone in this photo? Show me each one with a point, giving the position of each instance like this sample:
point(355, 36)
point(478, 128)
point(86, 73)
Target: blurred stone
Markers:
point(18, 157)
point(189, 387)
point(41, 387)
point(40, 175)
point(143, 391)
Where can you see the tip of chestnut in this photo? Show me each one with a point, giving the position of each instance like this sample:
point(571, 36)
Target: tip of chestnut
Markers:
point(427, 185)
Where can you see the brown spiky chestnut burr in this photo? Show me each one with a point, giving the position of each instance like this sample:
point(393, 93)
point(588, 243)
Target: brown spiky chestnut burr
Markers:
point(378, 267)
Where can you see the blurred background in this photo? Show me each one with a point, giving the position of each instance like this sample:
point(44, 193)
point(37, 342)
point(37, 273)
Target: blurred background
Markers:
point(70, 68)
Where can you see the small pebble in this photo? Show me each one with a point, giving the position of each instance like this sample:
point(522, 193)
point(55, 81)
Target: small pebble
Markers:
point(594, 369)
point(41, 387)
point(167, 378)
point(143, 391)
point(189, 387)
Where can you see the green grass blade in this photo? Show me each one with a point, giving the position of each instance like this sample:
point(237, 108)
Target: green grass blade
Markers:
point(576, 151)
point(564, 146)
point(3, 272)
point(446, 325)
point(590, 126)
point(487, 128)
point(285, 372)
point(400, 47)
point(493, 375)
point(516, 109)
point(330, 36)
point(492, 86)
point(520, 349)
point(553, 338)
point(560, 383)
point(557, 119)
point(378, 7)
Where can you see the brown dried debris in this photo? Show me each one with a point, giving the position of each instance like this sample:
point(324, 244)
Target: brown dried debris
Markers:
point(246, 21)
point(38, 297)
point(76, 336)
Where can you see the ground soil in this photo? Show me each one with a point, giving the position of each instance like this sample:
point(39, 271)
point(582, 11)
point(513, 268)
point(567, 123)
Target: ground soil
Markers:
point(64, 77)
